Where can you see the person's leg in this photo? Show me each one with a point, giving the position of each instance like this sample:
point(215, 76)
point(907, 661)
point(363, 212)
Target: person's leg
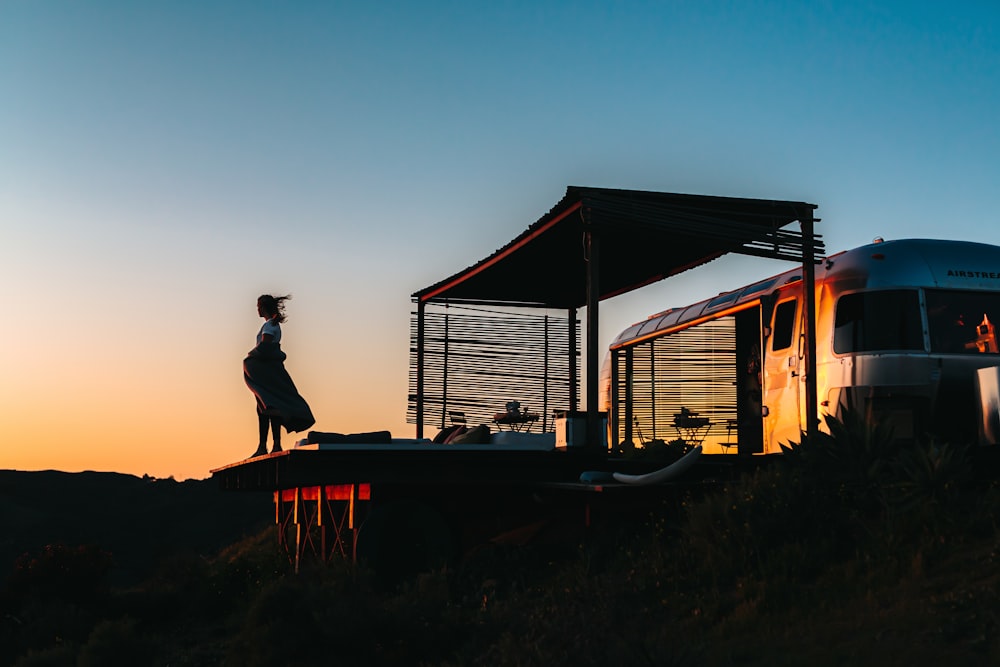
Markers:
point(262, 421)
point(276, 434)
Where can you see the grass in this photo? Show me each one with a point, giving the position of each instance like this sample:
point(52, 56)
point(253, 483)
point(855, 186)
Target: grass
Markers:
point(851, 550)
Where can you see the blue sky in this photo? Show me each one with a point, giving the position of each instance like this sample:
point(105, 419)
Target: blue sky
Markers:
point(163, 163)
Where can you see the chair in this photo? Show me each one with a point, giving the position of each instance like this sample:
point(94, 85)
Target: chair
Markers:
point(457, 417)
point(638, 431)
point(731, 424)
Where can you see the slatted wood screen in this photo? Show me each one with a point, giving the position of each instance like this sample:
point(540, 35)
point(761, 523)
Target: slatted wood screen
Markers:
point(477, 359)
point(693, 368)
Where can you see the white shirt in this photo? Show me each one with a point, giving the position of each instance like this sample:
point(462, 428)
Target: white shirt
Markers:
point(270, 327)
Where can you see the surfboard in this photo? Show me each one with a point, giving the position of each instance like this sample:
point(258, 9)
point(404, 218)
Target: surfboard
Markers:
point(672, 471)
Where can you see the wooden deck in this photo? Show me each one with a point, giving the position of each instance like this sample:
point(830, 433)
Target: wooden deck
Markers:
point(378, 464)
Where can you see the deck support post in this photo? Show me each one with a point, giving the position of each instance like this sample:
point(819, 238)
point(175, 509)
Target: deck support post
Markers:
point(324, 519)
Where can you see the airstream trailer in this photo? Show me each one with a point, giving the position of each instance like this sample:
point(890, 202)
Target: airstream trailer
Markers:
point(904, 331)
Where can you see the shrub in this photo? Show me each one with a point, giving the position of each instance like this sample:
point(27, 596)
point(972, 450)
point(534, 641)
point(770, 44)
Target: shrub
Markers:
point(772, 522)
point(240, 571)
point(654, 450)
point(854, 490)
point(62, 572)
point(117, 642)
point(61, 655)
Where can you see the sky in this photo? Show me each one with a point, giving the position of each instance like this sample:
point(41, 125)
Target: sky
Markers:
point(164, 163)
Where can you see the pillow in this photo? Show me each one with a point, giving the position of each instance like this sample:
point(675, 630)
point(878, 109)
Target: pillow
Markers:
point(479, 435)
point(444, 433)
point(459, 430)
point(375, 437)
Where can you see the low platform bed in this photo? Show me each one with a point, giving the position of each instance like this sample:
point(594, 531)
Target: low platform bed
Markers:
point(502, 440)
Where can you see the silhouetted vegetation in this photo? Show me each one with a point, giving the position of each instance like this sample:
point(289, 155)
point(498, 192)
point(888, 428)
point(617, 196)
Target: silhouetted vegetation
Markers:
point(852, 548)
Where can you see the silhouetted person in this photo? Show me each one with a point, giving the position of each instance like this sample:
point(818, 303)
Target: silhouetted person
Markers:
point(278, 401)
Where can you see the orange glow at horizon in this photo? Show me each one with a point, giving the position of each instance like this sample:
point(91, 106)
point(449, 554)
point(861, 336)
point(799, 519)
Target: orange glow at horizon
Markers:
point(146, 404)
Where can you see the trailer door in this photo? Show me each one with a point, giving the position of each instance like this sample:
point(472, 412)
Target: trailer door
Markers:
point(782, 379)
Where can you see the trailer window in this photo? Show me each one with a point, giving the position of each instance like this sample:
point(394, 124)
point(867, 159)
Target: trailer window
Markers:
point(878, 321)
point(962, 322)
point(784, 326)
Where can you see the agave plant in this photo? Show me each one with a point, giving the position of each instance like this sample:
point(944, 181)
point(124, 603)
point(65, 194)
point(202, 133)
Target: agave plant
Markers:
point(929, 473)
point(856, 451)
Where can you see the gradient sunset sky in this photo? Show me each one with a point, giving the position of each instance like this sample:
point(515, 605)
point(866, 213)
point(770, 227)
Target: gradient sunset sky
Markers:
point(164, 163)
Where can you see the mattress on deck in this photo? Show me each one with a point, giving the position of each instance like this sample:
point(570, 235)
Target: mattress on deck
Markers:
point(500, 441)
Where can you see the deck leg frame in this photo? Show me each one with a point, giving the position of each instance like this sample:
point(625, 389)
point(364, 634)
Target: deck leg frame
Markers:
point(324, 519)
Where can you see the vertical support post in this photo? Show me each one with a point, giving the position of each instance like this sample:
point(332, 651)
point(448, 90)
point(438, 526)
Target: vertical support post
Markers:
point(350, 522)
point(593, 249)
point(545, 378)
point(421, 310)
point(652, 390)
point(279, 524)
point(444, 359)
point(299, 520)
point(809, 276)
point(321, 505)
point(574, 350)
point(615, 402)
point(629, 394)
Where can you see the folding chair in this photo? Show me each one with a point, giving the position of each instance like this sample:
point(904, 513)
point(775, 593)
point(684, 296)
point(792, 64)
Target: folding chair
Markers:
point(730, 425)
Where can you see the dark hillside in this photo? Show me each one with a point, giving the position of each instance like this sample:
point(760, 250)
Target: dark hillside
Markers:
point(851, 549)
point(139, 520)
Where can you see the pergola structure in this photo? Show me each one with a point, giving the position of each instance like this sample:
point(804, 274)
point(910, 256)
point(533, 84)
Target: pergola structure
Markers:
point(597, 243)
point(594, 244)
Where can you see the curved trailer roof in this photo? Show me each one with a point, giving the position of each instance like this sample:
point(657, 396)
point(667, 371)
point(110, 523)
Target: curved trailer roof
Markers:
point(597, 243)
